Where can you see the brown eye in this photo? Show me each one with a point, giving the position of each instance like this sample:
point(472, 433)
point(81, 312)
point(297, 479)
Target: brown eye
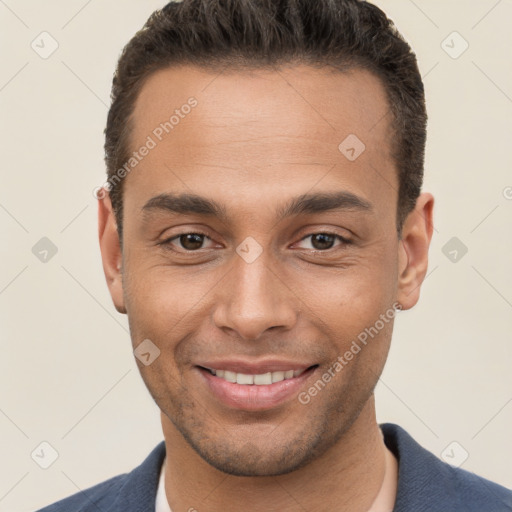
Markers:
point(186, 242)
point(324, 241)
point(191, 241)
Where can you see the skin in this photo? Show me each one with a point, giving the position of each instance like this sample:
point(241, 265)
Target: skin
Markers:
point(255, 141)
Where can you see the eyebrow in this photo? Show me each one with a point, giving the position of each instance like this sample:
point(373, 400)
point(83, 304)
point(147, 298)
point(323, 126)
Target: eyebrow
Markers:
point(185, 204)
point(310, 203)
point(324, 202)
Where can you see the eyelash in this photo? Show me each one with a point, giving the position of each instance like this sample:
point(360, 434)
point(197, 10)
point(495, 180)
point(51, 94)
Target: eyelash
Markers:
point(167, 243)
point(344, 241)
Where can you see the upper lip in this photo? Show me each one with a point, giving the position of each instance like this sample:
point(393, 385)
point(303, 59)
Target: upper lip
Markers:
point(252, 368)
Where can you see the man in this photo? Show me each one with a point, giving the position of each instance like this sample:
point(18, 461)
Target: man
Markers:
point(261, 225)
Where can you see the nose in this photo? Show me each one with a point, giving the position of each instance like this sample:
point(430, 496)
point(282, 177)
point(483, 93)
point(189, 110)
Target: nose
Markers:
point(253, 299)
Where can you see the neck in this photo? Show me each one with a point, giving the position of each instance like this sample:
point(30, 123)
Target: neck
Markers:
point(348, 477)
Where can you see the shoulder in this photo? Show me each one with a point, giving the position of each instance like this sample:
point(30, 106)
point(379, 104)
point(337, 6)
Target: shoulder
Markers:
point(428, 484)
point(127, 492)
point(99, 496)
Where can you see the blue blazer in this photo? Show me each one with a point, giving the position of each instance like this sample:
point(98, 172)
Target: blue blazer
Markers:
point(425, 484)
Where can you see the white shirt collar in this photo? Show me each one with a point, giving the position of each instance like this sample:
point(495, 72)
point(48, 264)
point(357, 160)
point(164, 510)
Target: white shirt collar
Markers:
point(161, 504)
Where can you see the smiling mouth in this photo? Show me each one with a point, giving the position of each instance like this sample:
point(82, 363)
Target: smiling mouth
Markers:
point(263, 379)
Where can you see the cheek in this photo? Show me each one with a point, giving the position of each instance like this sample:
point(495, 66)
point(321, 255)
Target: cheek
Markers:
point(360, 358)
point(354, 296)
point(355, 310)
point(161, 299)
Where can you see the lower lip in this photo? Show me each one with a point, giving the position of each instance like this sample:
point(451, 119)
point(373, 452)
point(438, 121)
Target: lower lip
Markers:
point(251, 397)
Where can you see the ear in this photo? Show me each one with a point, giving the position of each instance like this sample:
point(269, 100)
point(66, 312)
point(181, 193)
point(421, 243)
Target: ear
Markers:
point(110, 247)
point(413, 250)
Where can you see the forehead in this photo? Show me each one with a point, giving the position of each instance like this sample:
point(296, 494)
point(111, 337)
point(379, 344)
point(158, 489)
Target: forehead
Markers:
point(270, 128)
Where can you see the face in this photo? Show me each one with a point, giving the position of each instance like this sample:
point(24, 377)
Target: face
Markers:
point(253, 244)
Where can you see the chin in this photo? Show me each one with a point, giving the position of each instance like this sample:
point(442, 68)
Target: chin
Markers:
point(250, 458)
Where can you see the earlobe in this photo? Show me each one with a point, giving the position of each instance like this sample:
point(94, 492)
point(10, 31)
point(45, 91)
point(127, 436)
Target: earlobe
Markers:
point(111, 254)
point(413, 251)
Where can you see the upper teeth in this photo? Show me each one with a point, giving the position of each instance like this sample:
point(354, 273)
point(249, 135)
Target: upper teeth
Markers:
point(259, 380)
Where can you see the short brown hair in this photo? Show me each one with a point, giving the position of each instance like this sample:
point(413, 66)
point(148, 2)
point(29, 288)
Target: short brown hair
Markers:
point(258, 34)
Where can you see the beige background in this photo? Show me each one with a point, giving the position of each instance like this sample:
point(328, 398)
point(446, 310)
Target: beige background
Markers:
point(67, 373)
